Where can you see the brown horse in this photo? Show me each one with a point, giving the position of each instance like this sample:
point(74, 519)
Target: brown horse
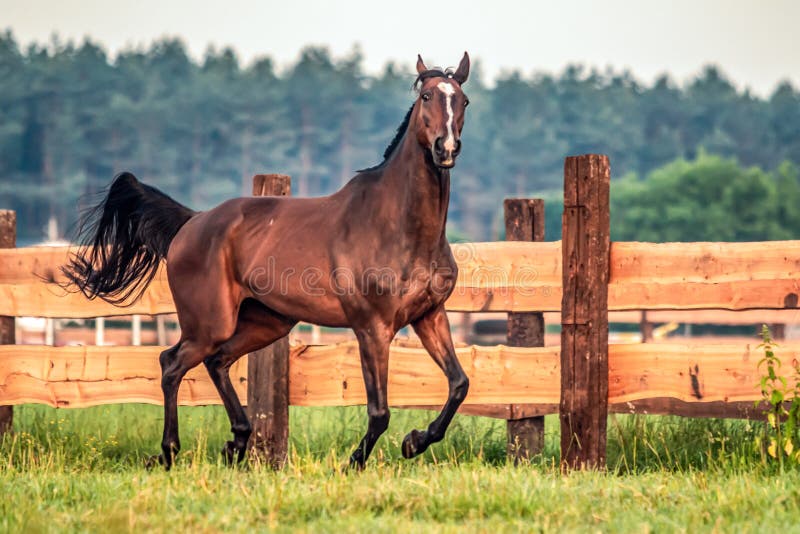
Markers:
point(372, 256)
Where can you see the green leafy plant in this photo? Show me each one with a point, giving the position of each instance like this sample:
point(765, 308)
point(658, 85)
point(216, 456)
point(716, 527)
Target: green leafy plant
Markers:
point(783, 425)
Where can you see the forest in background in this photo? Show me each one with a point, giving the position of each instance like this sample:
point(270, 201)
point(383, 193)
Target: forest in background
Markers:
point(697, 161)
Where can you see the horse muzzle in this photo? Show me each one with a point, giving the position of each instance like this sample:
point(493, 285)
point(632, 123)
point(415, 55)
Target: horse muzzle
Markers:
point(444, 157)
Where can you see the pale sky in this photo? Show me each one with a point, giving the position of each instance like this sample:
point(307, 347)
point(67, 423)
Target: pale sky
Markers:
point(755, 42)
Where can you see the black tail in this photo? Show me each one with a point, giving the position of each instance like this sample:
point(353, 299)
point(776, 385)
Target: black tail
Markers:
point(123, 240)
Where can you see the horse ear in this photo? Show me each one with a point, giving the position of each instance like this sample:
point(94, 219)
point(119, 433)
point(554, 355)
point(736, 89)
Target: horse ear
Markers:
point(462, 72)
point(420, 65)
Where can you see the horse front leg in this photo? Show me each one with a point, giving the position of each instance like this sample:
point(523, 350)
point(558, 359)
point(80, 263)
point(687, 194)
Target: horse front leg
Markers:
point(373, 344)
point(433, 330)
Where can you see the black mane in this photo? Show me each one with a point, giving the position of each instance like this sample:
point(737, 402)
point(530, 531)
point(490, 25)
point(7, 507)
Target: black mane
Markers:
point(401, 130)
point(398, 136)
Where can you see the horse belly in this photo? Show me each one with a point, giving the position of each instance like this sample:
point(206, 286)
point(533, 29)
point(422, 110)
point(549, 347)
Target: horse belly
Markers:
point(301, 294)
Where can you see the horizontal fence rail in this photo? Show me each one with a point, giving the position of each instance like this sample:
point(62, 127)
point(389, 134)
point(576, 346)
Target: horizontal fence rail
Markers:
point(640, 377)
point(717, 317)
point(496, 276)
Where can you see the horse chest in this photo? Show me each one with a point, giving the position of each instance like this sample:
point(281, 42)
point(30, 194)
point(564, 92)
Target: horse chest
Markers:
point(428, 285)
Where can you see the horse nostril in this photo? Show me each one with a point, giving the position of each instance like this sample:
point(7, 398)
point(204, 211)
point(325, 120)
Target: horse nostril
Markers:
point(438, 145)
point(457, 150)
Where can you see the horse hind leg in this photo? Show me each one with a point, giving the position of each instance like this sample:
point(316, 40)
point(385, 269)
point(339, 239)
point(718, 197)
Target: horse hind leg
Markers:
point(172, 372)
point(175, 363)
point(207, 315)
point(256, 328)
point(195, 345)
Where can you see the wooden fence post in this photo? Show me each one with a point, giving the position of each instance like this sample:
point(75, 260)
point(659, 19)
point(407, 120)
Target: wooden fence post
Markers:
point(778, 331)
point(584, 312)
point(268, 368)
point(646, 328)
point(8, 239)
point(161, 330)
point(136, 330)
point(524, 222)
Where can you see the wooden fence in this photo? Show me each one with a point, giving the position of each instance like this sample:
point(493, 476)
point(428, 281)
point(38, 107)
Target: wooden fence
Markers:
point(582, 277)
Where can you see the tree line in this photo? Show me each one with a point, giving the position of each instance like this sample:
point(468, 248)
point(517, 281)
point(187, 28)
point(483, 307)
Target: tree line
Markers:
point(71, 117)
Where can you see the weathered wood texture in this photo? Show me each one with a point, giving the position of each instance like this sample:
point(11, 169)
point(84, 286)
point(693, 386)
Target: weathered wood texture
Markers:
point(318, 376)
point(584, 312)
point(715, 409)
point(507, 276)
point(497, 411)
point(709, 374)
point(651, 378)
point(8, 239)
point(268, 401)
point(722, 317)
point(268, 368)
point(331, 376)
point(733, 276)
point(272, 185)
point(524, 220)
point(77, 377)
point(646, 328)
point(498, 276)
point(23, 291)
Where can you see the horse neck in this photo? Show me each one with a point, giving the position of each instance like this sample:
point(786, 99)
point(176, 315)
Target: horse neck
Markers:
point(419, 189)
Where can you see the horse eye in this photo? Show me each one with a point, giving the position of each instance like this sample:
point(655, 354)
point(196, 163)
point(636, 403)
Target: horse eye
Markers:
point(466, 102)
point(426, 96)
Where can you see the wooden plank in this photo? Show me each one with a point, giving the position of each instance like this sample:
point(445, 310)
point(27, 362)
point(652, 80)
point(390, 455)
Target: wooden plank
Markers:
point(720, 317)
point(331, 376)
point(268, 368)
point(77, 377)
point(584, 316)
point(524, 220)
point(507, 276)
point(651, 378)
point(714, 409)
point(272, 185)
point(23, 291)
point(707, 373)
point(8, 240)
point(724, 317)
point(319, 376)
point(501, 411)
point(733, 276)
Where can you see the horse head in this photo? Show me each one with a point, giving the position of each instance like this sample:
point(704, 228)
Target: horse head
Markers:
point(440, 110)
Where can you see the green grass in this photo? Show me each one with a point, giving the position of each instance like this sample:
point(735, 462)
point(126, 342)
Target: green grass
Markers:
point(82, 470)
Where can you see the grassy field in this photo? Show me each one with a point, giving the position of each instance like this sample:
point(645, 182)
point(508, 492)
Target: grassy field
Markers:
point(82, 470)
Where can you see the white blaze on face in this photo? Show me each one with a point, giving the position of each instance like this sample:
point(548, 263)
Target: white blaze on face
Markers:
point(449, 91)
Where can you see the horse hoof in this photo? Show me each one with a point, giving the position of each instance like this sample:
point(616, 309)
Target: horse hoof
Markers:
point(229, 453)
point(232, 455)
point(355, 464)
point(411, 444)
point(155, 460)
